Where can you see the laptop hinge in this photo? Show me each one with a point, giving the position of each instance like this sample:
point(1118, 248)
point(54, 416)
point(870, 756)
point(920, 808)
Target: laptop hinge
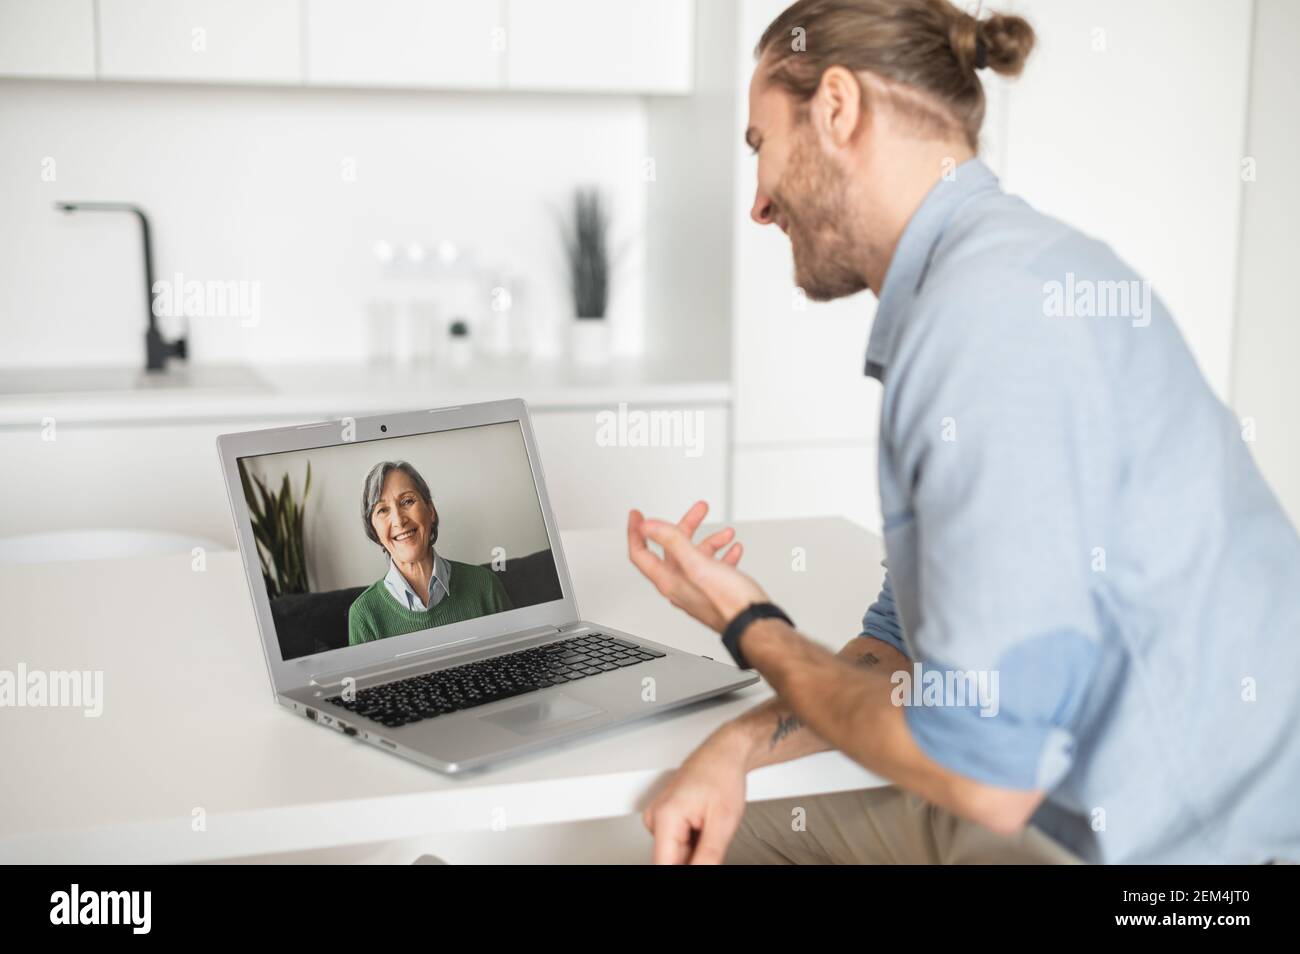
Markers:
point(333, 678)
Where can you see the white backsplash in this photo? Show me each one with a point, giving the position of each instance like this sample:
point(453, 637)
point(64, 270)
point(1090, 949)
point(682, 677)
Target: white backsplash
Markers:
point(290, 189)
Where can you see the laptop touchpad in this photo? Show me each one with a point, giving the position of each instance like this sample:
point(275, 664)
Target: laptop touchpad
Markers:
point(541, 714)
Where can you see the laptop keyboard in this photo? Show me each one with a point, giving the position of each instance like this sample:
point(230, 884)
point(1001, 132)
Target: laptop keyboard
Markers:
point(488, 680)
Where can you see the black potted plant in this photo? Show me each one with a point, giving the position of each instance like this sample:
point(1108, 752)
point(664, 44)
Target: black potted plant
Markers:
point(588, 259)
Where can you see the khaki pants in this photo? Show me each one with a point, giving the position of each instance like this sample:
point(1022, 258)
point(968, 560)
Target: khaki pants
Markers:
point(878, 826)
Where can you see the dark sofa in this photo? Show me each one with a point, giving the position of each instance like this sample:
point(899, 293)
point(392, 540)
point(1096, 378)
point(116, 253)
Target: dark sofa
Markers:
point(308, 623)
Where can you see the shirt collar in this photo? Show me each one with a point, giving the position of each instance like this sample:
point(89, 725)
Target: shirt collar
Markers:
point(404, 593)
point(911, 261)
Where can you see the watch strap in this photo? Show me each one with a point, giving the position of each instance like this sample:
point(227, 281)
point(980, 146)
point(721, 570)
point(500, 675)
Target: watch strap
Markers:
point(736, 628)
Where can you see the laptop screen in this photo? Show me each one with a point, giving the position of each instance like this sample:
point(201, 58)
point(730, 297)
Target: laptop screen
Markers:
point(373, 539)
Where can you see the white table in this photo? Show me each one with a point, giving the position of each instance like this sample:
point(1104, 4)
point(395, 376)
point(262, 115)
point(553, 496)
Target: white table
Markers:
point(189, 724)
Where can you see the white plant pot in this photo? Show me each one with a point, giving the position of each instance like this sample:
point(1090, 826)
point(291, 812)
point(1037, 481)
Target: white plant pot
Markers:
point(589, 340)
point(460, 351)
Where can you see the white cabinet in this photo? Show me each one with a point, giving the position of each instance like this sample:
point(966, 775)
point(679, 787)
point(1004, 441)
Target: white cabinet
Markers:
point(447, 44)
point(797, 364)
point(630, 46)
point(47, 38)
point(222, 41)
point(788, 481)
point(806, 417)
point(602, 46)
point(165, 476)
point(142, 477)
point(594, 481)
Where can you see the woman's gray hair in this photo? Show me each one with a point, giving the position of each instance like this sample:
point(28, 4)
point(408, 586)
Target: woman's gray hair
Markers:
point(374, 486)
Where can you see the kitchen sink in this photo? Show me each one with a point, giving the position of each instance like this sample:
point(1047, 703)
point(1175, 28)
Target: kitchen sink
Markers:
point(73, 380)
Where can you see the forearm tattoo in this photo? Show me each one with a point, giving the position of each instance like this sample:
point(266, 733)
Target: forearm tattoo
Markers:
point(789, 724)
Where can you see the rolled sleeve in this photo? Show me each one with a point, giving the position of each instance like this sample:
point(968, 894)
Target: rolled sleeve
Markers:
point(1017, 731)
point(881, 619)
point(995, 431)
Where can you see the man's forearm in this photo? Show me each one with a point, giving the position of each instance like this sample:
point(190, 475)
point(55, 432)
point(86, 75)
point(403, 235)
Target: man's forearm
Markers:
point(852, 711)
point(772, 733)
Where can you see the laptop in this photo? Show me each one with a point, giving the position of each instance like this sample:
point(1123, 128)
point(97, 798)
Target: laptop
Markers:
point(339, 525)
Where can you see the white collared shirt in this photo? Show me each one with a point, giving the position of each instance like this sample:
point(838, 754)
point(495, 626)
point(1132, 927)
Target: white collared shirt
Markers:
point(404, 593)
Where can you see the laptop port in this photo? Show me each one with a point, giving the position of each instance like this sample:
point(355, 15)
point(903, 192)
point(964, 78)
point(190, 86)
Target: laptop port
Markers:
point(311, 714)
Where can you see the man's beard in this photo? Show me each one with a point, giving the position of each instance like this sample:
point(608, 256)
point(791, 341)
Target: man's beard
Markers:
point(813, 197)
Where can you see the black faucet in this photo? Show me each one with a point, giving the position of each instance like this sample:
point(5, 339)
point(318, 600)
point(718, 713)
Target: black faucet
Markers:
point(157, 349)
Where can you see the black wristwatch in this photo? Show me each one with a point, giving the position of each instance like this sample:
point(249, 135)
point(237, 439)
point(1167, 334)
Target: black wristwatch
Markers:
point(736, 628)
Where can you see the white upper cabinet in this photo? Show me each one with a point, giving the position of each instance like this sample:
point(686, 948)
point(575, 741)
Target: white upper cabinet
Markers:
point(234, 41)
point(600, 46)
point(617, 46)
point(47, 38)
point(442, 44)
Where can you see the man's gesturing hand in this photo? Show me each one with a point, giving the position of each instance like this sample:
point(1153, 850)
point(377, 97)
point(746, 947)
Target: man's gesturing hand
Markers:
point(690, 574)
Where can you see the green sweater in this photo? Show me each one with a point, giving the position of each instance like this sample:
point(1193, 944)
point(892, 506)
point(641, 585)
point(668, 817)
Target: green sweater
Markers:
point(475, 591)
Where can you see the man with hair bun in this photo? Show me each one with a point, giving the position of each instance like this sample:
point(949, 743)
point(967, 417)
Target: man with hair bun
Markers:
point(1087, 640)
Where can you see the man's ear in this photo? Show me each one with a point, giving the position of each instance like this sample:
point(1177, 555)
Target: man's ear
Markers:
point(836, 107)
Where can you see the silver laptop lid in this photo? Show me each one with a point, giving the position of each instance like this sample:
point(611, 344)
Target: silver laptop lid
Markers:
point(494, 530)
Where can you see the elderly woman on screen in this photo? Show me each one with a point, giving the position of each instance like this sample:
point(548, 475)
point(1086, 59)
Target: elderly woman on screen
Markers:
point(421, 589)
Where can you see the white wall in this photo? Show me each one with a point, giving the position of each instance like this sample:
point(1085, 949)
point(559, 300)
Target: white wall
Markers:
point(1128, 124)
point(248, 184)
point(1136, 140)
point(479, 477)
point(1266, 389)
point(691, 140)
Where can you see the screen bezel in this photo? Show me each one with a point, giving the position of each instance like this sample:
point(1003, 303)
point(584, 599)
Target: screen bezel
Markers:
point(289, 674)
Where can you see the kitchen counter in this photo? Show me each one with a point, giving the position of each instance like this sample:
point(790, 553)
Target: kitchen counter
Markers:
point(318, 392)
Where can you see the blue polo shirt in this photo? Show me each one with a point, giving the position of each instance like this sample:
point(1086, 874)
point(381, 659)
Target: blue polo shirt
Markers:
point(1072, 516)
